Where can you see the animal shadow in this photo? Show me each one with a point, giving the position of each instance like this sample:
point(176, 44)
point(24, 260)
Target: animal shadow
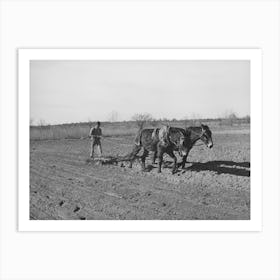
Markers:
point(223, 167)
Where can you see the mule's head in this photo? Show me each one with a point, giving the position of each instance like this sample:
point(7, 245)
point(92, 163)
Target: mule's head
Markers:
point(206, 136)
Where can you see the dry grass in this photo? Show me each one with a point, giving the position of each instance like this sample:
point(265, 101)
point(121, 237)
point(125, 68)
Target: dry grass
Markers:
point(81, 130)
point(78, 131)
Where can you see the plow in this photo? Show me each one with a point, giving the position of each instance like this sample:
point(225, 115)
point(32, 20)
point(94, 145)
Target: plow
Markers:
point(103, 160)
point(110, 159)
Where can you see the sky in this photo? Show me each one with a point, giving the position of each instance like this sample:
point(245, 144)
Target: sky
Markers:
point(75, 91)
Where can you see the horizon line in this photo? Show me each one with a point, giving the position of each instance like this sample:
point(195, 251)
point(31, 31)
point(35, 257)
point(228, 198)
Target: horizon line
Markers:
point(148, 121)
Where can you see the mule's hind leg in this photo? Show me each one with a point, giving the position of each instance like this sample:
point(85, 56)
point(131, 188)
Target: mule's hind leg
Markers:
point(133, 155)
point(160, 158)
point(143, 159)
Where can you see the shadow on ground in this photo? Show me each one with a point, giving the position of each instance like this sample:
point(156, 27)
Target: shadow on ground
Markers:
point(217, 166)
point(222, 167)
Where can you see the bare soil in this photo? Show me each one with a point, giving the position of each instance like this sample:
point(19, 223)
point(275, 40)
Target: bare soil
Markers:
point(65, 184)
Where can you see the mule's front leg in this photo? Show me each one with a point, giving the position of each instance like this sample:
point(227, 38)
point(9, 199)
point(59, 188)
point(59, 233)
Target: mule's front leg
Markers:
point(171, 154)
point(184, 159)
point(143, 159)
point(154, 157)
point(131, 161)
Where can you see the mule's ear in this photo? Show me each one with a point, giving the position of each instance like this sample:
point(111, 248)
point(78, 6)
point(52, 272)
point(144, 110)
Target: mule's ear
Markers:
point(202, 126)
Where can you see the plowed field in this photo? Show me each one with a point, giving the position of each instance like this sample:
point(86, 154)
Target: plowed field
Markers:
point(215, 183)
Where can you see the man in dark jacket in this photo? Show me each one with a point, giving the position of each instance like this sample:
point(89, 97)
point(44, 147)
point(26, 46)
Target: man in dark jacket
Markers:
point(95, 134)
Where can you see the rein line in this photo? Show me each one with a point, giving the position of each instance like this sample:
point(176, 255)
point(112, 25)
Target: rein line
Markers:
point(199, 137)
point(201, 144)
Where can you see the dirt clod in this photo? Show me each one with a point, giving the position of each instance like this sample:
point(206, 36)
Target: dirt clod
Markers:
point(77, 209)
point(61, 203)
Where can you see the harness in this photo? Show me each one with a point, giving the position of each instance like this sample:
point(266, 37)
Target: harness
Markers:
point(199, 137)
point(175, 144)
point(172, 142)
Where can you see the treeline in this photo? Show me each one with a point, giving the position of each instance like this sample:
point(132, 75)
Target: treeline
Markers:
point(153, 122)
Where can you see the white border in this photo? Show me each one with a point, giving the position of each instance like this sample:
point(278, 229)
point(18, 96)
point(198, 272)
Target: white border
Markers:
point(24, 57)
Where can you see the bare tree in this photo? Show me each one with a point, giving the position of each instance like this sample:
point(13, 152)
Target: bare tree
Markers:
point(154, 122)
point(247, 119)
point(186, 121)
point(42, 123)
point(192, 120)
point(89, 122)
point(231, 117)
point(195, 116)
point(142, 119)
point(113, 116)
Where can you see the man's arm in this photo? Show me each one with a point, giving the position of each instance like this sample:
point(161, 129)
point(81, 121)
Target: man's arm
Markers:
point(90, 132)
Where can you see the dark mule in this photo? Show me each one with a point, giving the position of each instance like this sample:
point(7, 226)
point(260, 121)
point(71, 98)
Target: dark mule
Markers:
point(196, 133)
point(164, 140)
